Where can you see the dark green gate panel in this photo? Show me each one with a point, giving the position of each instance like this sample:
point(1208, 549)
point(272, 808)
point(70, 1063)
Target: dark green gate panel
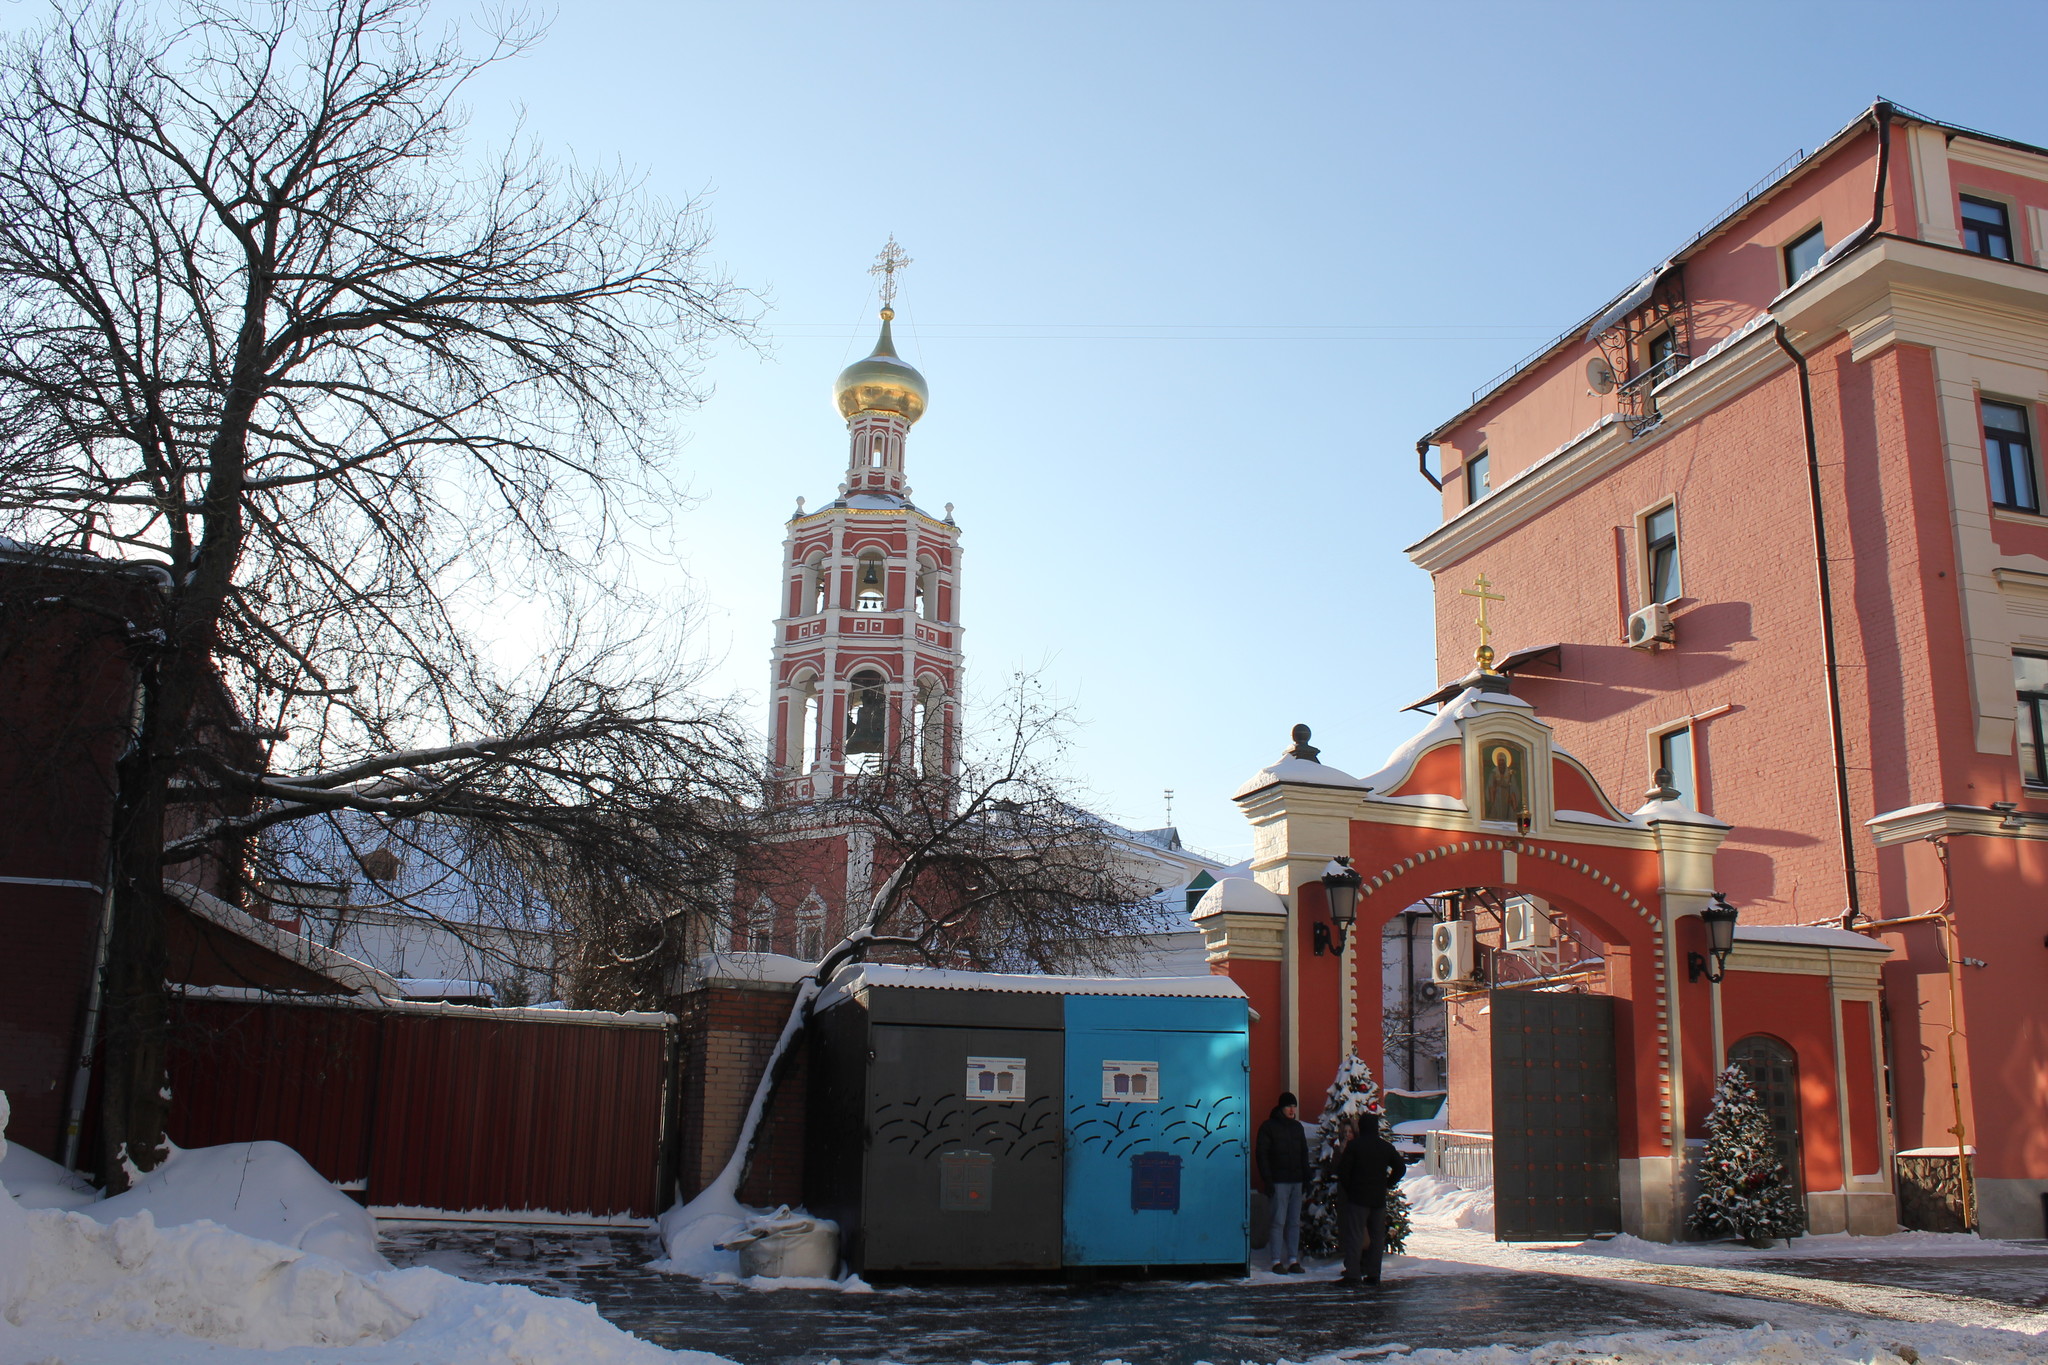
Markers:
point(1556, 1127)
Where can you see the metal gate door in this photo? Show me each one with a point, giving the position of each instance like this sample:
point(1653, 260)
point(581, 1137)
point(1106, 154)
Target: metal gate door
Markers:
point(1556, 1140)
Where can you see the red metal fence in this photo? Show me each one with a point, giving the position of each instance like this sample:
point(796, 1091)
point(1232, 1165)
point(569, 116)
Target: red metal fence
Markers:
point(435, 1107)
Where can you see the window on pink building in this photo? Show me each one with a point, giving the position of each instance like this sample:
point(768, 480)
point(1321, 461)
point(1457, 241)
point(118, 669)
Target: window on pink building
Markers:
point(1478, 477)
point(2030, 680)
point(1660, 545)
point(1803, 254)
point(2009, 453)
point(1987, 228)
point(1674, 756)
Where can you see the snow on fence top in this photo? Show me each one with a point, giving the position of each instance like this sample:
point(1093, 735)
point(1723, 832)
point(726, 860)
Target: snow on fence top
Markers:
point(532, 1014)
point(870, 974)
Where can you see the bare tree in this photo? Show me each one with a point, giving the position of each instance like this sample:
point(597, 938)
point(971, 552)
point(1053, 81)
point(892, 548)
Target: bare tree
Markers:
point(995, 866)
point(269, 326)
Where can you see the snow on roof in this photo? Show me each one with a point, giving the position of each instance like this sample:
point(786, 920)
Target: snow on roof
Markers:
point(867, 975)
point(541, 1014)
point(888, 500)
point(337, 967)
point(434, 987)
point(1239, 896)
point(1301, 770)
point(1638, 295)
point(749, 969)
point(1814, 935)
point(1442, 726)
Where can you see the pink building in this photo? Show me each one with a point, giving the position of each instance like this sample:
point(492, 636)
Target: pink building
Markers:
point(1772, 520)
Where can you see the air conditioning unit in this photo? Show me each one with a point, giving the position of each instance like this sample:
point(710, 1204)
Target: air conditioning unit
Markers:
point(1526, 924)
point(1450, 951)
point(1651, 627)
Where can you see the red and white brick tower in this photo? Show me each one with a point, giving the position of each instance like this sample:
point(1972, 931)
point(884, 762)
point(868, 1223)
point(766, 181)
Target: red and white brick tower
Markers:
point(866, 665)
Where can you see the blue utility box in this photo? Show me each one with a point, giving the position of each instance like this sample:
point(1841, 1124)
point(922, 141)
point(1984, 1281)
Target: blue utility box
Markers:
point(1158, 1130)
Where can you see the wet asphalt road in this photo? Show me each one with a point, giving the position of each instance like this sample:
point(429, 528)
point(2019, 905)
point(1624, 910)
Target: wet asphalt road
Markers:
point(1156, 1322)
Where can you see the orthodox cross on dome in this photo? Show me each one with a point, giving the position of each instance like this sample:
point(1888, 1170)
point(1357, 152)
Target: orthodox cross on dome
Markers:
point(1483, 590)
point(888, 261)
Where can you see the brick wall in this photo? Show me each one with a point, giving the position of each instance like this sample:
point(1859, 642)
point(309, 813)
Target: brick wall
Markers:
point(729, 1029)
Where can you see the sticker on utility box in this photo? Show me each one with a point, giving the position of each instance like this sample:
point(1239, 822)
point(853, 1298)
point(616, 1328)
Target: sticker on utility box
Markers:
point(995, 1078)
point(1130, 1082)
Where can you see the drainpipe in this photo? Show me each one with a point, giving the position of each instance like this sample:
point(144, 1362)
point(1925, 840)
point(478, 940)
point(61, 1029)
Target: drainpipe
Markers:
point(1882, 111)
point(81, 1077)
point(1422, 464)
point(1952, 946)
point(1854, 909)
point(1408, 971)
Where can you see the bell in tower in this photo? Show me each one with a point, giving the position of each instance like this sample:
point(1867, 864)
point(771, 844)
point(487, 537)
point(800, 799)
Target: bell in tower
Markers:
point(866, 726)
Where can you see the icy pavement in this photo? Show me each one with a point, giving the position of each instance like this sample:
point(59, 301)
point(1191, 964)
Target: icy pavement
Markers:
point(1459, 1289)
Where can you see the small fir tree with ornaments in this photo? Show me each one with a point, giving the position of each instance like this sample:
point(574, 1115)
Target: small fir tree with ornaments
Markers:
point(1744, 1190)
point(1355, 1095)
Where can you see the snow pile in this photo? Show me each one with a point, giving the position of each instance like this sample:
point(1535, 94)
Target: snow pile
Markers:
point(140, 1288)
point(1434, 1202)
point(700, 1239)
point(1904, 1343)
point(127, 1290)
point(259, 1189)
point(694, 1235)
point(37, 1182)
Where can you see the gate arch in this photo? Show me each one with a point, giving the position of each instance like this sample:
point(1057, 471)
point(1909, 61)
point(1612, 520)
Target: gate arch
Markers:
point(1635, 880)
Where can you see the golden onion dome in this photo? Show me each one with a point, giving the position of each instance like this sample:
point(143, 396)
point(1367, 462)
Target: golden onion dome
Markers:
point(881, 382)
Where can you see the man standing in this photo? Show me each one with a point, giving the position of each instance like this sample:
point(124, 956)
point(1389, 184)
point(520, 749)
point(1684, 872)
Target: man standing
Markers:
point(1366, 1169)
point(1283, 1165)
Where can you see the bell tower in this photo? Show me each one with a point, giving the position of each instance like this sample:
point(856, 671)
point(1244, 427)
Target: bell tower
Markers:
point(865, 672)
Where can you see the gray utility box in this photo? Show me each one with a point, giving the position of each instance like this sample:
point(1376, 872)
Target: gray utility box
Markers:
point(934, 1133)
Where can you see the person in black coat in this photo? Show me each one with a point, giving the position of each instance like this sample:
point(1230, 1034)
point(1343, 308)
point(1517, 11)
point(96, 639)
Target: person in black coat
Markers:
point(1283, 1164)
point(1367, 1167)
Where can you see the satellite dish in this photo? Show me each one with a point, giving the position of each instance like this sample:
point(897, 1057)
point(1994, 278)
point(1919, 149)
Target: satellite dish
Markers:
point(1600, 374)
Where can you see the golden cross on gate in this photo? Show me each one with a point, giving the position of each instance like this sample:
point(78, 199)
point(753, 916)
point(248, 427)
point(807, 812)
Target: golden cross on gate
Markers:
point(888, 261)
point(1483, 590)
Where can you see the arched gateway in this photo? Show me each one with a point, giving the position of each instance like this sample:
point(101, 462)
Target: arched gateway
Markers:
point(1482, 801)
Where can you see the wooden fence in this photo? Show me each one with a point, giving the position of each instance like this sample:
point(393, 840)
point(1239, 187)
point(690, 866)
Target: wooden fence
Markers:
point(435, 1108)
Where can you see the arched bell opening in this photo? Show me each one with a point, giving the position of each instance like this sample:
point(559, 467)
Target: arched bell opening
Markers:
point(867, 720)
point(870, 581)
point(801, 730)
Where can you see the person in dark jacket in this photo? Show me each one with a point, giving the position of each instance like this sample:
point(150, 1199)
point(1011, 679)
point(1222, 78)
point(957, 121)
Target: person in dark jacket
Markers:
point(1283, 1165)
point(1367, 1167)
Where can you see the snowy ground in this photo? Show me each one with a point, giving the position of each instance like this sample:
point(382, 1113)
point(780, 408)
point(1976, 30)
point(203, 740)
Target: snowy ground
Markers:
point(240, 1255)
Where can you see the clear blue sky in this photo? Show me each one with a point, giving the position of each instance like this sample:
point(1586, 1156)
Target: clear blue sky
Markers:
point(1190, 281)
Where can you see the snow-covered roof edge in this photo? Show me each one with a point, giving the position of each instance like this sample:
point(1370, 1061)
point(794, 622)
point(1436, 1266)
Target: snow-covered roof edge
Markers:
point(532, 1014)
point(1811, 935)
point(749, 969)
point(866, 975)
point(336, 966)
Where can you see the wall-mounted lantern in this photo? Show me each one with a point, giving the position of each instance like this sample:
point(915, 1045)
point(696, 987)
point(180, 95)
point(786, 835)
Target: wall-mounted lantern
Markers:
point(1340, 887)
point(1719, 917)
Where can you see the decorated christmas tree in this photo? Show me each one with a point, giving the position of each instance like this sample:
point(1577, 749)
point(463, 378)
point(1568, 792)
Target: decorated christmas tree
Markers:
point(1354, 1095)
point(1744, 1191)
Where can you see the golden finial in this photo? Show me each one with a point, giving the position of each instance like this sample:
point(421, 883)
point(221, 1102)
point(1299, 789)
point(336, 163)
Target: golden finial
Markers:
point(1482, 590)
point(888, 261)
